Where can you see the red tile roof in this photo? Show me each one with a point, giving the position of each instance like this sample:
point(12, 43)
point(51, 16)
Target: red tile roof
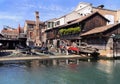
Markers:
point(8, 31)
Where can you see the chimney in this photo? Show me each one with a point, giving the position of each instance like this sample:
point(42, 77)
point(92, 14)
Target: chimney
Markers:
point(37, 16)
point(37, 29)
point(19, 29)
point(101, 6)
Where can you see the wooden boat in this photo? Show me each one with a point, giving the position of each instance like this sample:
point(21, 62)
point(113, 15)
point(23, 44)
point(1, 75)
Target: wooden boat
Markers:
point(88, 50)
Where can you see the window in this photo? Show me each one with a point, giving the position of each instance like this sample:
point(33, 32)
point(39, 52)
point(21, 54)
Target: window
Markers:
point(52, 24)
point(41, 27)
point(31, 35)
point(48, 25)
point(57, 23)
point(30, 26)
point(36, 44)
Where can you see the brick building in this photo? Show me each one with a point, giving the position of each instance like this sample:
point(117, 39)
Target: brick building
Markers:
point(33, 30)
point(12, 37)
point(12, 33)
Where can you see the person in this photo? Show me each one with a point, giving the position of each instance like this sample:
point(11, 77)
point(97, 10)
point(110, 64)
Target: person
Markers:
point(74, 44)
point(67, 49)
point(62, 48)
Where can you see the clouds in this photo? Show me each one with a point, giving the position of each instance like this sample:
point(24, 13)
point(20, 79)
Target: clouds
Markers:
point(17, 11)
point(5, 15)
point(52, 11)
point(52, 7)
point(10, 17)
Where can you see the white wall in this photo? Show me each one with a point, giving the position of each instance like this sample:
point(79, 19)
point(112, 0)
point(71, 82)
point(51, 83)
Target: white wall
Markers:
point(85, 11)
point(62, 20)
point(81, 6)
point(111, 18)
point(71, 16)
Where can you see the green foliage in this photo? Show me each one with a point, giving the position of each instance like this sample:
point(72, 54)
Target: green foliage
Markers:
point(69, 31)
point(61, 31)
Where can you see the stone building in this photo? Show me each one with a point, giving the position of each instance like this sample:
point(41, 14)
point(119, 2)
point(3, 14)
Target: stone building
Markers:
point(33, 30)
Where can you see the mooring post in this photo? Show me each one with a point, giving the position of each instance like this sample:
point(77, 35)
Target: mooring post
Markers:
point(77, 61)
point(88, 60)
point(49, 62)
point(67, 61)
point(28, 63)
point(45, 62)
point(35, 63)
point(54, 62)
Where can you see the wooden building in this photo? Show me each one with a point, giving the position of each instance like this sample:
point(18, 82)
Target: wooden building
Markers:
point(105, 38)
point(84, 24)
point(94, 31)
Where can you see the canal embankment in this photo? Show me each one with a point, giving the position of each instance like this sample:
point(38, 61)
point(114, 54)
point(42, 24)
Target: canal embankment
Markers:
point(15, 56)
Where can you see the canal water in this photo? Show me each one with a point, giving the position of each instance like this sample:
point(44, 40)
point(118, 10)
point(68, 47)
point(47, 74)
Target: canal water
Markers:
point(100, 72)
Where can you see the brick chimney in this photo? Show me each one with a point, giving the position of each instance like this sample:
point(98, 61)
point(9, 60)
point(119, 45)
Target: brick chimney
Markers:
point(37, 18)
point(19, 29)
point(37, 29)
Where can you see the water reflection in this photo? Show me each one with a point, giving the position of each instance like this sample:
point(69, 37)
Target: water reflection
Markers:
point(105, 66)
point(101, 72)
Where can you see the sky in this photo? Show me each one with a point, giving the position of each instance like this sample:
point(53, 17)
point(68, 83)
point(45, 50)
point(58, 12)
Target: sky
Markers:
point(15, 12)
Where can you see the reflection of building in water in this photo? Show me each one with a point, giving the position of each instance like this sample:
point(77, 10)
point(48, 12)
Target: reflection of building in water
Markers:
point(106, 66)
point(110, 69)
point(107, 69)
